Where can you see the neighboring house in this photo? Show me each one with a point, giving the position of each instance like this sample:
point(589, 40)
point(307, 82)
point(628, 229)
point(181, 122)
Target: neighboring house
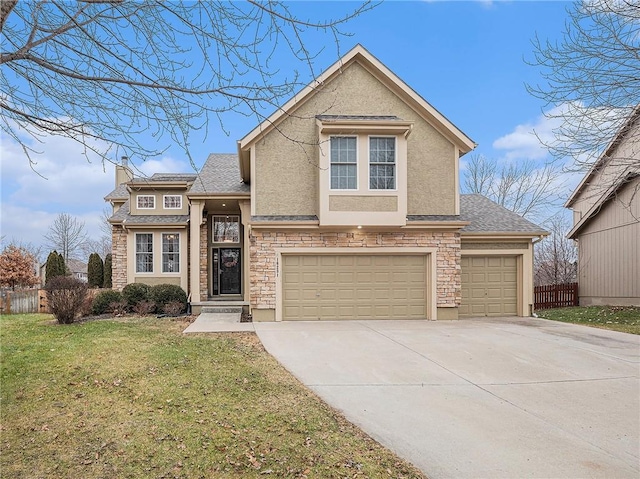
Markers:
point(344, 204)
point(77, 268)
point(606, 222)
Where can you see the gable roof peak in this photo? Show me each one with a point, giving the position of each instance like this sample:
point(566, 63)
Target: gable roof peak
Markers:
point(360, 54)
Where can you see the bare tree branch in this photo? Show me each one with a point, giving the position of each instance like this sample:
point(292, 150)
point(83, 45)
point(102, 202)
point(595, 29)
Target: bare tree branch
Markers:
point(108, 74)
point(525, 188)
point(66, 235)
point(591, 78)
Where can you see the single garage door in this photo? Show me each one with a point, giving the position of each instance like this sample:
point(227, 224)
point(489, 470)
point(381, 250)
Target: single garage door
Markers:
point(354, 286)
point(489, 286)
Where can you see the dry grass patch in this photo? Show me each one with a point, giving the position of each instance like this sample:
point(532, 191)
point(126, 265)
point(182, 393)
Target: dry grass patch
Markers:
point(136, 398)
point(617, 318)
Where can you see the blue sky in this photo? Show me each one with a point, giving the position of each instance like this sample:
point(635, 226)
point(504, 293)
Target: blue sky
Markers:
point(466, 58)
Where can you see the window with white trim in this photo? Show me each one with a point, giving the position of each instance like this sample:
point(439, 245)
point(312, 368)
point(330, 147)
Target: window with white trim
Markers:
point(144, 252)
point(170, 252)
point(172, 202)
point(344, 167)
point(226, 229)
point(146, 202)
point(382, 163)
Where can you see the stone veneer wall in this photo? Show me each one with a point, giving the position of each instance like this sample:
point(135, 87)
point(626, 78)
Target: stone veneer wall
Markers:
point(118, 257)
point(204, 283)
point(263, 258)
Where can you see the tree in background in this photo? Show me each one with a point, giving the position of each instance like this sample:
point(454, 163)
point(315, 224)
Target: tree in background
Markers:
point(107, 271)
point(17, 268)
point(556, 256)
point(55, 266)
point(66, 234)
point(95, 271)
point(524, 188)
point(102, 73)
point(592, 78)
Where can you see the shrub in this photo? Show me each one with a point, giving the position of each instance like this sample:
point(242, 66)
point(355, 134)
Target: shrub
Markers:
point(174, 308)
point(162, 294)
point(103, 300)
point(143, 308)
point(133, 293)
point(65, 296)
point(95, 271)
point(118, 308)
point(107, 271)
point(55, 266)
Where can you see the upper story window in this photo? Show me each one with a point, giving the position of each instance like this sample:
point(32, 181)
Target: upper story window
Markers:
point(382, 163)
point(144, 252)
point(146, 202)
point(344, 167)
point(226, 229)
point(172, 202)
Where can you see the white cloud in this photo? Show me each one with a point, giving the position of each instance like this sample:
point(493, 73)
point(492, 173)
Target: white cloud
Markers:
point(526, 141)
point(61, 180)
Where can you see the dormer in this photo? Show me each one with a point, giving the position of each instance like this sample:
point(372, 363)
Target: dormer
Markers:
point(363, 170)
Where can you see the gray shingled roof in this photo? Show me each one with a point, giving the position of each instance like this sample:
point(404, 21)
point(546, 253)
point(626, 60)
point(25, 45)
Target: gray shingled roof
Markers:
point(120, 193)
point(485, 216)
point(220, 174)
point(284, 218)
point(123, 216)
point(174, 177)
point(357, 117)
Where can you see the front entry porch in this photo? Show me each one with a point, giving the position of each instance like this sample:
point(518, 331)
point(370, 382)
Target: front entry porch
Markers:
point(219, 255)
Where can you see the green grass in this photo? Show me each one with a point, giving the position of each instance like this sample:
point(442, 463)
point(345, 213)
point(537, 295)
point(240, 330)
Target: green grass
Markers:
point(616, 318)
point(136, 398)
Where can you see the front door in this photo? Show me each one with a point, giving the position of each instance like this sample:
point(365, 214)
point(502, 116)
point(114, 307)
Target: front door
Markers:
point(226, 271)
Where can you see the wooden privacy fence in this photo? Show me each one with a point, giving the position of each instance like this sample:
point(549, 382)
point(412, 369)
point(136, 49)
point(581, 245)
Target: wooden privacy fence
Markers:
point(25, 301)
point(556, 295)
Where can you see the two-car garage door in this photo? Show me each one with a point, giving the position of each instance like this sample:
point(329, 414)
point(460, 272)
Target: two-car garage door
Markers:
point(489, 286)
point(354, 286)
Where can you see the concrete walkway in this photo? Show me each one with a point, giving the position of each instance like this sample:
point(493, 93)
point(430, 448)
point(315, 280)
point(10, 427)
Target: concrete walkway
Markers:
point(218, 323)
point(478, 398)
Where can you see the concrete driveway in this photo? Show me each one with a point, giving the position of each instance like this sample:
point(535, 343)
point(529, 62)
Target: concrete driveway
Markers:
point(478, 398)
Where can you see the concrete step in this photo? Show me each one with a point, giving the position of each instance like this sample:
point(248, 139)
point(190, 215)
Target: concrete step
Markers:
point(221, 309)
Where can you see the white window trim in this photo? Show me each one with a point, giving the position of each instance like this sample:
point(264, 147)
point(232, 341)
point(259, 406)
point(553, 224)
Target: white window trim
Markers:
point(138, 197)
point(135, 246)
point(395, 163)
point(164, 202)
point(162, 235)
point(357, 163)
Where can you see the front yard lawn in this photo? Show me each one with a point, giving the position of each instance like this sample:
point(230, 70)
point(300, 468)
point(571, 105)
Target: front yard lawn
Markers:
point(135, 398)
point(617, 318)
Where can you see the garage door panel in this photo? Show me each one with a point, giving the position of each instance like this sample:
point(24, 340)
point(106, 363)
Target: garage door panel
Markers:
point(489, 286)
point(362, 286)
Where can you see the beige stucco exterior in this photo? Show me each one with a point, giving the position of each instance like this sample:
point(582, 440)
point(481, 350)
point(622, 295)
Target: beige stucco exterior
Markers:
point(159, 202)
point(291, 187)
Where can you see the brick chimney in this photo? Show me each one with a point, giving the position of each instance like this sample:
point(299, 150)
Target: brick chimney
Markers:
point(123, 172)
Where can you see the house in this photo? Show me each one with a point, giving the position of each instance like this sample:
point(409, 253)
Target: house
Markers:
point(606, 222)
point(343, 204)
point(77, 268)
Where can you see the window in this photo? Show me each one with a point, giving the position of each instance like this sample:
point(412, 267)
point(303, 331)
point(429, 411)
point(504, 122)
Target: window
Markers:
point(172, 202)
point(170, 253)
point(146, 202)
point(382, 163)
point(344, 169)
point(226, 229)
point(144, 253)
